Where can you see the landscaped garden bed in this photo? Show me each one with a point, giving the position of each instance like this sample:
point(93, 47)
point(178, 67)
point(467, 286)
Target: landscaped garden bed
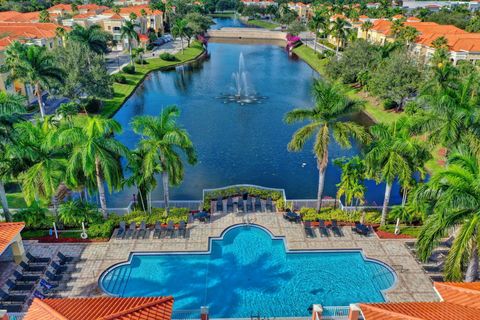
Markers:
point(406, 232)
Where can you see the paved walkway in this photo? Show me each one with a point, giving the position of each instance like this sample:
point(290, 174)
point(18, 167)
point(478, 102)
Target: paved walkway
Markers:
point(413, 284)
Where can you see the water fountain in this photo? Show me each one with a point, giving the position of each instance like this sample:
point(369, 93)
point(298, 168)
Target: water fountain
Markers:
point(242, 92)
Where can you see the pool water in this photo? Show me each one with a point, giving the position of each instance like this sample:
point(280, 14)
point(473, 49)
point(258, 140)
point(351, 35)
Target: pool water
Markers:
point(248, 272)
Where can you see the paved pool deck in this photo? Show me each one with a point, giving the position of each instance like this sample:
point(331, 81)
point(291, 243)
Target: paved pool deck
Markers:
point(412, 285)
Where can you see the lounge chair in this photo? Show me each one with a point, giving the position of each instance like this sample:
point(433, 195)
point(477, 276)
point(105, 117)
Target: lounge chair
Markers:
point(219, 207)
point(170, 229)
point(63, 259)
point(131, 230)
point(309, 232)
point(235, 204)
point(322, 228)
point(12, 297)
point(121, 230)
point(142, 231)
point(230, 204)
point(15, 308)
point(33, 259)
point(39, 295)
point(47, 285)
point(157, 230)
point(361, 229)
point(292, 216)
point(34, 269)
point(54, 277)
point(241, 205)
point(58, 268)
point(24, 278)
point(182, 229)
point(12, 286)
point(249, 207)
point(336, 229)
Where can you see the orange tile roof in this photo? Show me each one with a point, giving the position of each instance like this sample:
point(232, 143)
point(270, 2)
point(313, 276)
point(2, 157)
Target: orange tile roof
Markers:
point(125, 11)
point(16, 31)
point(335, 16)
point(8, 231)
point(61, 6)
point(418, 310)
point(413, 19)
point(92, 7)
point(461, 301)
point(101, 308)
point(6, 15)
point(116, 16)
point(84, 15)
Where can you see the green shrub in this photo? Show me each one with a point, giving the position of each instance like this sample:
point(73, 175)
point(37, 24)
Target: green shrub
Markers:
point(35, 217)
point(310, 214)
point(168, 57)
point(73, 213)
point(240, 190)
point(141, 61)
point(281, 205)
point(150, 46)
point(129, 69)
point(158, 214)
point(389, 104)
point(102, 230)
point(119, 78)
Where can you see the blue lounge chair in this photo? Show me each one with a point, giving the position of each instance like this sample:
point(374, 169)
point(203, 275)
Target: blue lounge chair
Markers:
point(23, 278)
point(121, 230)
point(35, 269)
point(182, 229)
point(309, 232)
point(322, 228)
point(12, 286)
point(15, 308)
point(361, 229)
point(157, 230)
point(54, 277)
point(12, 298)
point(336, 229)
point(170, 229)
point(63, 259)
point(131, 230)
point(58, 269)
point(33, 259)
point(142, 231)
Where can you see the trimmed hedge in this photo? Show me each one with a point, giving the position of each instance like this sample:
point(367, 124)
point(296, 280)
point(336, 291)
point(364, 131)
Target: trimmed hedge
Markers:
point(310, 214)
point(168, 57)
point(119, 78)
point(129, 69)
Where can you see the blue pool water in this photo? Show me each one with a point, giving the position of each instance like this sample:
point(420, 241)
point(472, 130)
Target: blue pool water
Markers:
point(249, 273)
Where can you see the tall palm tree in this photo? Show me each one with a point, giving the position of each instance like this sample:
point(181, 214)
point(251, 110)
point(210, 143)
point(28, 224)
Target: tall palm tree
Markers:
point(339, 30)
point(318, 21)
point(95, 153)
point(409, 34)
point(35, 145)
point(94, 37)
point(33, 65)
point(397, 27)
point(326, 117)
point(454, 199)
point(128, 32)
point(179, 29)
point(11, 107)
point(366, 26)
point(395, 154)
point(162, 139)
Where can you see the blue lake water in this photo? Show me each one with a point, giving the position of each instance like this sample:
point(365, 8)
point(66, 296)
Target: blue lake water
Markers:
point(249, 273)
point(228, 23)
point(239, 143)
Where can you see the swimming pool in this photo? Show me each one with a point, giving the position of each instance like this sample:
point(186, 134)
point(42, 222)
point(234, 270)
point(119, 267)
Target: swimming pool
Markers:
point(248, 272)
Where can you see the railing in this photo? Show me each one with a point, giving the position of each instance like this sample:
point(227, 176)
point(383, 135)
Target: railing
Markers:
point(16, 315)
point(335, 312)
point(186, 314)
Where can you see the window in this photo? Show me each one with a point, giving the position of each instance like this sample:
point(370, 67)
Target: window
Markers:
point(109, 28)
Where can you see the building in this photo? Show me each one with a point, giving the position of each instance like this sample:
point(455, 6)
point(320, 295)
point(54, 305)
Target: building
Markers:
point(304, 11)
point(11, 244)
point(40, 34)
point(462, 45)
point(152, 308)
point(437, 5)
point(260, 3)
point(130, 2)
point(459, 301)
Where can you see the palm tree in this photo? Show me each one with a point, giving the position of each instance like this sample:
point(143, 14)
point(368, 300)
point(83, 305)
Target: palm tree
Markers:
point(339, 30)
point(46, 162)
point(61, 33)
point(179, 29)
point(450, 115)
point(409, 34)
point(33, 65)
point(325, 118)
point(94, 37)
point(95, 154)
point(162, 140)
point(366, 26)
point(318, 21)
point(128, 32)
point(397, 27)
point(351, 180)
point(395, 154)
point(11, 106)
point(454, 200)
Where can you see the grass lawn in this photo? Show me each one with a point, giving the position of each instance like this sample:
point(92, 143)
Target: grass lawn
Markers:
point(263, 24)
point(222, 15)
point(122, 91)
point(407, 230)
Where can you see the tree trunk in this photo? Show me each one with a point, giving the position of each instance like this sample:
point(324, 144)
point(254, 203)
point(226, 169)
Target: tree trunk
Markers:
point(3, 199)
point(386, 201)
point(101, 189)
point(38, 91)
point(181, 41)
point(472, 269)
point(166, 193)
point(130, 49)
point(397, 226)
point(321, 184)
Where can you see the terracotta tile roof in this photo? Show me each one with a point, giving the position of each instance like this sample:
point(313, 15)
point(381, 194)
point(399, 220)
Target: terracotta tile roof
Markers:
point(363, 17)
point(465, 294)
point(92, 7)
point(398, 16)
point(60, 6)
point(12, 16)
point(125, 11)
point(16, 31)
point(84, 15)
point(335, 16)
point(418, 310)
point(116, 16)
point(6, 15)
point(413, 19)
point(8, 231)
point(101, 308)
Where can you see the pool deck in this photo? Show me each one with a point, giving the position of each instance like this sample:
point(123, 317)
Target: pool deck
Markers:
point(412, 285)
